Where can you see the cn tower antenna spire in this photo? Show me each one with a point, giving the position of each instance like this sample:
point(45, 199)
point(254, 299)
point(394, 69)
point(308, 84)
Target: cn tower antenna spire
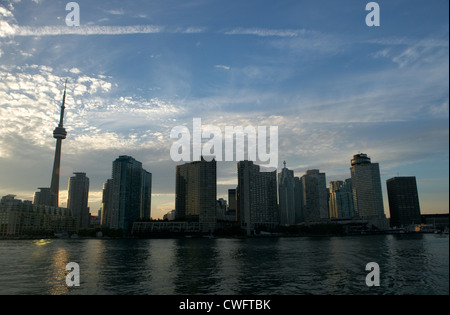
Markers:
point(61, 118)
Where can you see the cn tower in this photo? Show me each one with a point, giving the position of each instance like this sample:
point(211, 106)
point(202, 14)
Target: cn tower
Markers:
point(59, 134)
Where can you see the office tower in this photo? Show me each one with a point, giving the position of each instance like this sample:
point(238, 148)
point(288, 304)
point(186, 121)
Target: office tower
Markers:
point(403, 198)
point(286, 196)
point(77, 200)
point(298, 200)
point(341, 199)
point(196, 193)
point(221, 209)
point(232, 202)
point(257, 198)
point(314, 196)
point(146, 195)
point(367, 195)
point(127, 196)
point(43, 197)
point(107, 217)
point(59, 134)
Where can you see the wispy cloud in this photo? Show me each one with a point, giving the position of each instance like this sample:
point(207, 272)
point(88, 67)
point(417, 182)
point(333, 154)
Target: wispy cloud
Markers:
point(116, 11)
point(8, 30)
point(82, 30)
point(267, 32)
point(224, 67)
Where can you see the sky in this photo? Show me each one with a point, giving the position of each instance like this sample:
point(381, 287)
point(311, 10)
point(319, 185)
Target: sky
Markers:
point(136, 69)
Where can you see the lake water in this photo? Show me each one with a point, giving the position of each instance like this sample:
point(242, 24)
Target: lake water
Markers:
point(409, 264)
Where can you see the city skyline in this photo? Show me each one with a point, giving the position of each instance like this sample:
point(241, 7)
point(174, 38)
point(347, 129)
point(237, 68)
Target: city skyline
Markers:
point(333, 85)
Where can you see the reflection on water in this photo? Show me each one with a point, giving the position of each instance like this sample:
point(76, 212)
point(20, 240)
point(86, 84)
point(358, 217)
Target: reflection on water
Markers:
point(42, 242)
point(56, 278)
point(409, 264)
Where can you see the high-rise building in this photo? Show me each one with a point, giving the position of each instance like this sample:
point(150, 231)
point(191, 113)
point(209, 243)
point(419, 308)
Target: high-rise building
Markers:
point(196, 193)
point(127, 196)
point(298, 200)
point(257, 198)
point(341, 199)
point(43, 196)
point(286, 196)
point(59, 134)
point(232, 202)
point(367, 194)
point(146, 195)
point(403, 198)
point(314, 196)
point(77, 201)
point(107, 216)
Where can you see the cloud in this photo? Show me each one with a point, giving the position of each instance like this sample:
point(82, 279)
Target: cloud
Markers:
point(29, 107)
point(116, 11)
point(81, 30)
point(75, 70)
point(267, 32)
point(4, 12)
point(222, 67)
point(8, 30)
point(192, 30)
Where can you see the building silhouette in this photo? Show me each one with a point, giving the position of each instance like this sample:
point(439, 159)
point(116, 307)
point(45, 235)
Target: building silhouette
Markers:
point(257, 198)
point(341, 199)
point(127, 196)
point(196, 193)
point(367, 194)
point(43, 196)
point(286, 196)
point(19, 218)
point(298, 200)
point(314, 196)
point(403, 198)
point(107, 216)
point(145, 211)
point(77, 201)
point(232, 202)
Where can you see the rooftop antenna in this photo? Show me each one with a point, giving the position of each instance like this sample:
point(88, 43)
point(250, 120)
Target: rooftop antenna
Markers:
point(63, 106)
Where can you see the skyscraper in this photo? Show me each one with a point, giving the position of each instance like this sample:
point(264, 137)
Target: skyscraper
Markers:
point(257, 198)
point(314, 196)
point(232, 202)
point(107, 216)
point(59, 134)
point(196, 193)
point(403, 198)
point(341, 199)
point(43, 197)
point(127, 196)
point(298, 196)
point(77, 201)
point(146, 195)
point(367, 194)
point(286, 196)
